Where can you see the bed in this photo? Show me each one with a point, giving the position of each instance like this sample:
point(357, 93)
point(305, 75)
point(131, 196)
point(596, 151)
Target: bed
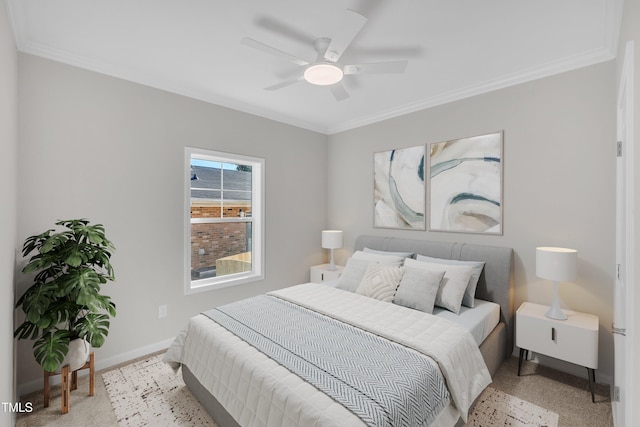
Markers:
point(248, 384)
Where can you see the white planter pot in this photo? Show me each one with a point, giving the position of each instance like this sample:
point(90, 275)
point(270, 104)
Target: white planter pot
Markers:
point(78, 354)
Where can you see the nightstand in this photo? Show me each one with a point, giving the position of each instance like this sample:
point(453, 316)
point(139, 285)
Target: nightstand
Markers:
point(321, 273)
point(574, 340)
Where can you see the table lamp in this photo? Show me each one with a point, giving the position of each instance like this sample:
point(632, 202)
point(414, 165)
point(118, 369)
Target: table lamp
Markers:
point(559, 265)
point(332, 239)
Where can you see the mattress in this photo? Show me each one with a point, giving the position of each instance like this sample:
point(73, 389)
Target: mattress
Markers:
point(479, 320)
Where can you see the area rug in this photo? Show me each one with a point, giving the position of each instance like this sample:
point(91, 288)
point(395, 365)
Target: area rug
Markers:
point(497, 409)
point(149, 393)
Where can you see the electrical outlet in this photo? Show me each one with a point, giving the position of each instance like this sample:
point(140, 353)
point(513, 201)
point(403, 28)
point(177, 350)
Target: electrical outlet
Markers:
point(162, 311)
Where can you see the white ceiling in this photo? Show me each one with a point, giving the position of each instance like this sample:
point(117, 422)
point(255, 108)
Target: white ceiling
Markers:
point(455, 48)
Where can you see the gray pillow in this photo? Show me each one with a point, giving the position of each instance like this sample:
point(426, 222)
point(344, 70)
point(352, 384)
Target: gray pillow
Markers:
point(476, 271)
point(418, 289)
point(352, 274)
point(453, 283)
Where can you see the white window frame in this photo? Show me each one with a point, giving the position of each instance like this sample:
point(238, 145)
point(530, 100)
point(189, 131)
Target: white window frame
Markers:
point(257, 220)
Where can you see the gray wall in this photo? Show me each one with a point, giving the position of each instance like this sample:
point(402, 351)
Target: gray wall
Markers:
point(113, 151)
point(8, 210)
point(559, 181)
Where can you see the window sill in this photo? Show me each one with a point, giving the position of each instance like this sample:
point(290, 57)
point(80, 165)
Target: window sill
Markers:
point(213, 284)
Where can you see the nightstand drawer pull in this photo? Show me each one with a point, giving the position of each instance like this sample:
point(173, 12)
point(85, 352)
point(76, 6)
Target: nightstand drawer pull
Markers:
point(553, 334)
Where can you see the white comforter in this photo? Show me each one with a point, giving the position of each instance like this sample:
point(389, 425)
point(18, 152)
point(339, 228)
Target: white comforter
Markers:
point(257, 391)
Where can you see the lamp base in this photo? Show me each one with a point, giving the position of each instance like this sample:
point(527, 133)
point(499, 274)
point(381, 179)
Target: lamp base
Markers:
point(555, 312)
point(332, 265)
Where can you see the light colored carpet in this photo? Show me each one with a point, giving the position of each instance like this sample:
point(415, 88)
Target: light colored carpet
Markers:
point(557, 391)
point(496, 408)
point(147, 391)
point(553, 390)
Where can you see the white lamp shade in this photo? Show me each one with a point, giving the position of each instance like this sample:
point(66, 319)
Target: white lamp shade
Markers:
point(331, 239)
point(558, 264)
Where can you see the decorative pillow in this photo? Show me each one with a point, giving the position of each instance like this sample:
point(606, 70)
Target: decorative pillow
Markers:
point(453, 285)
point(476, 271)
point(352, 274)
point(400, 254)
point(380, 282)
point(382, 259)
point(418, 288)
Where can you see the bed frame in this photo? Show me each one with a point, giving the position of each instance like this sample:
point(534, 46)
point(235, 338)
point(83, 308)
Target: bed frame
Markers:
point(495, 284)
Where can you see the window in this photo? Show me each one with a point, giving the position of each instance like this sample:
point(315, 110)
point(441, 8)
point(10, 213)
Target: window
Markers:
point(224, 232)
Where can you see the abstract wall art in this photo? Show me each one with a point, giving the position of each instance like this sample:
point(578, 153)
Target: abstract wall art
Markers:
point(465, 185)
point(399, 188)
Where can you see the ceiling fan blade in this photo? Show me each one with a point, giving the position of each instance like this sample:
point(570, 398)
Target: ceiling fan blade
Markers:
point(272, 50)
point(275, 25)
point(285, 83)
point(339, 92)
point(348, 28)
point(376, 68)
point(407, 51)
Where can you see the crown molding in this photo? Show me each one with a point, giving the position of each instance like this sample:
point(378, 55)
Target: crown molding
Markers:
point(524, 76)
point(166, 85)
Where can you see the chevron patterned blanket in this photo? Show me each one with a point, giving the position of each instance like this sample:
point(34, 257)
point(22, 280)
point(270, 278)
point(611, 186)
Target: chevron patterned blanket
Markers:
point(382, 382)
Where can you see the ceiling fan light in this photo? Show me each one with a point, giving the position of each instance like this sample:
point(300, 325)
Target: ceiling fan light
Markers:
point(323, 74)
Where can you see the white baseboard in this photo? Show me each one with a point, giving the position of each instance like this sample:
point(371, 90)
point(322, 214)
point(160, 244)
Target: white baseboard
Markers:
point(36, 385)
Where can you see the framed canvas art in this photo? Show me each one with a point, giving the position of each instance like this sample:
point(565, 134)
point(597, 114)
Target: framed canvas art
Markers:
point(465, 185)
point(399, 188)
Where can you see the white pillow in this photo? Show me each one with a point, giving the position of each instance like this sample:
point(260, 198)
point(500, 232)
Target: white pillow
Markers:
point(379, 258)
point(380, 282)
point(453, 285)
point(477, 266)
point(418, 288)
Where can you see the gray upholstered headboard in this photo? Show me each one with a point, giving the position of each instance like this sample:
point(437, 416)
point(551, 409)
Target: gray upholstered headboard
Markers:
point(496, 281)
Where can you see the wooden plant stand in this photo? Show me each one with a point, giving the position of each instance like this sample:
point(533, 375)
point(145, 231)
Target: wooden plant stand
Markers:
point(66, 387)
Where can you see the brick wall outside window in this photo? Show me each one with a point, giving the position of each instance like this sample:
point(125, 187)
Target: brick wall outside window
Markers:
point(210, 242)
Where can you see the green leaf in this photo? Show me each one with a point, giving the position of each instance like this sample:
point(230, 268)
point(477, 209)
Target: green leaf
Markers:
point(88, 288)
point(26, 331)
point(81, 284)
point(94, 327)
point(35, 242)
point(36, 300)
point(105, 303)
point(54, 242)
point(60, 311)
point(95, 234)
point(39, 262)
point(51, 349)
point(75, 258)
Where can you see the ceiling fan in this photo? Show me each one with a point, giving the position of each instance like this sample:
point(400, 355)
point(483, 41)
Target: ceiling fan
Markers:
point(326, 70)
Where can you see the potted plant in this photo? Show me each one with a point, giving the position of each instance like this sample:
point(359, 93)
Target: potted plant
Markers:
point(64, 306)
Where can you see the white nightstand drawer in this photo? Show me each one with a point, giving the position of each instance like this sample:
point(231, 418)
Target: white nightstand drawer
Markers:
point(573, 340)
point(321, 273)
